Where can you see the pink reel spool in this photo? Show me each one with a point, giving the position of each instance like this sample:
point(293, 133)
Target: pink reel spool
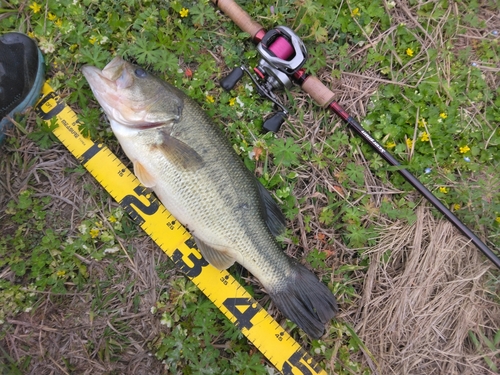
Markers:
point(281, 48)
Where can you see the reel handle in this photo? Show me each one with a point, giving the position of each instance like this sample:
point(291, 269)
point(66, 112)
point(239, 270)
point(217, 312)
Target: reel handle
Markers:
point(273, 123)
point(232, 79)
point(321, 94)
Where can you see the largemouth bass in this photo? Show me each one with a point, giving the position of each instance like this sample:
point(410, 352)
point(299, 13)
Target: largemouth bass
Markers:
point(186, 159)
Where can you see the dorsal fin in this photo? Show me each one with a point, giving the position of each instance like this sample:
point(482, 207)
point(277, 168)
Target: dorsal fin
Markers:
point(275, 219)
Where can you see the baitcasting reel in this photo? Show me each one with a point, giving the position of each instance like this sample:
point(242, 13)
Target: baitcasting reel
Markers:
point(283, 54)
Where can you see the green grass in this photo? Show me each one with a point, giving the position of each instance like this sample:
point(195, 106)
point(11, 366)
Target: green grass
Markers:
point(436, 108)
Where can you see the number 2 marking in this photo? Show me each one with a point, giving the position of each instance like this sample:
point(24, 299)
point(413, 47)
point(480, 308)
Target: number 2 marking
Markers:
point(133, 205)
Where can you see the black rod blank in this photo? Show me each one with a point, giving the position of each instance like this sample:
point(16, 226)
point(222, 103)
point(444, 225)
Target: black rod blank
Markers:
point(359, 130)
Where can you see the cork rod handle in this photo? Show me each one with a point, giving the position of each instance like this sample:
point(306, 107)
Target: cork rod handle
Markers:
point(239, 16)
point(321, 94)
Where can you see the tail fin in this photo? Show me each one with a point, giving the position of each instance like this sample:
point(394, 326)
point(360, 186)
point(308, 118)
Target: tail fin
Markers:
point(306, 301)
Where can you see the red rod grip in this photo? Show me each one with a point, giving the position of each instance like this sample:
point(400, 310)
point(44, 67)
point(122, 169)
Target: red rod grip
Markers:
point(239, 16)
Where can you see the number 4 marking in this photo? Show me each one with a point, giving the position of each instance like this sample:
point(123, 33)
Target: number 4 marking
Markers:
point(243, 315)
point(299, 360)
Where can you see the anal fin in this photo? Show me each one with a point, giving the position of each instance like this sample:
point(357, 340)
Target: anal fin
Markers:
point(217, 258)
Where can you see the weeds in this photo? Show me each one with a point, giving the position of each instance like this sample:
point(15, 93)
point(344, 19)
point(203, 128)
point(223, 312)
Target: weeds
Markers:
point(41, 257)
point(480, 340)
point(199, 337)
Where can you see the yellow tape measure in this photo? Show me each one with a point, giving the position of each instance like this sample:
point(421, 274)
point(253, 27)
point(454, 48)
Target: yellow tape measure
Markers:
point(219, 286)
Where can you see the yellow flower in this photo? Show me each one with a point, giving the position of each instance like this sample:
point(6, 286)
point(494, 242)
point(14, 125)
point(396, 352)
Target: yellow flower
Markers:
point(92, 40)
point(60, 273)
point(35, 7)
point(58, 23)
point(409, 142)
point(456, 206)
point(464, 149)
point(94, 232)
point(424, 137)
point(443, 115)
point(390, 144)
point(498, 219)
point(355, 12)
point(112, 219)
point(443, 190)
point(184, 12)
point(210, 99)
point(31, 34)
point(232, 101)
point(51, 16)
point(422, 123)
point(409, 52)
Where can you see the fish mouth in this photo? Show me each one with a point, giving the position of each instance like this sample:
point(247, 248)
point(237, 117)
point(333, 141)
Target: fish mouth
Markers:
point(103, 83)
point(108, 76)
point(123, 99)
point(108, 86)
point(114, 69)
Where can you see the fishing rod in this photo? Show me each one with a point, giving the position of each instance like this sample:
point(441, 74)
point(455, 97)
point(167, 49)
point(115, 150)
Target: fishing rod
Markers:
point(283, 56)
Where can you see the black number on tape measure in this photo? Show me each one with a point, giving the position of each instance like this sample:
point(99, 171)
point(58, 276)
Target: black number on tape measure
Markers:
point(191, 271)
point(53, 111)
point(191, 243)
point(171, 224)
point(224, 279)
point(134, 205)
point(299, 360)
point(243, 317)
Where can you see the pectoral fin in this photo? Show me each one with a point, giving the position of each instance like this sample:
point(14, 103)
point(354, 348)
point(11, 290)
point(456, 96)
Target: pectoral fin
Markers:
point(217, 258)
point(143, 175)
point(179, 153)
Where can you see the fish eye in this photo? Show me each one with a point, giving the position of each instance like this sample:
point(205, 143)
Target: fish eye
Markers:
point(140, 73)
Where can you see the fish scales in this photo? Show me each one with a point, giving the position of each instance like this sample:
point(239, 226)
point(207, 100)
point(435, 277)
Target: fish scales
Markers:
point(186, 159)
point(232, 212)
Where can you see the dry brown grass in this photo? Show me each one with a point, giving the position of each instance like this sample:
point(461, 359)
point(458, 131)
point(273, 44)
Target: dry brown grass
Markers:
point(68, 332)
point(425, 289)
point(72, 331)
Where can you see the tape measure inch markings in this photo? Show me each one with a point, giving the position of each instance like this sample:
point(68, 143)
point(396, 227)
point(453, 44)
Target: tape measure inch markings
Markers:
point(219, 286)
